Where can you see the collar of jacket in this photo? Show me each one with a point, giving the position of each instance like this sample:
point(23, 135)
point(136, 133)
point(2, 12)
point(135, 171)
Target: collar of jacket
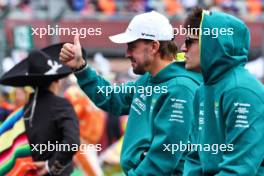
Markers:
point(175, 69)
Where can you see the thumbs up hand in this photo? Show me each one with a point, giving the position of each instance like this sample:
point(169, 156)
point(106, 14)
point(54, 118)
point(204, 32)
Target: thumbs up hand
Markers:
point(71, 54)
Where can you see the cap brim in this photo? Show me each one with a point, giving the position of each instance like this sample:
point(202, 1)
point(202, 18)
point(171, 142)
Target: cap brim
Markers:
point(122, 38)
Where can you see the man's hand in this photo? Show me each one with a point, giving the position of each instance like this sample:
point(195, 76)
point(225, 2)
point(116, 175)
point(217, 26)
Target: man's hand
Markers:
point(71, 54)
point(41, 167)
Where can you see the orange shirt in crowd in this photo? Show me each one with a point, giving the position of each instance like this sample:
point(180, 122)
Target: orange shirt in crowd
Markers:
point(254, 7)
point(107, 6)
point(172, 7)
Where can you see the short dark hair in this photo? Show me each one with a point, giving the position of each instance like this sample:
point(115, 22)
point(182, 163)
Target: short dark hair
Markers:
point(193, 19)
point(167, 48)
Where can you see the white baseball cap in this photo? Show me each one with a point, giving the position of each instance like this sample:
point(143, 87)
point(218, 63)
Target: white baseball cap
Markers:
point(151, 25)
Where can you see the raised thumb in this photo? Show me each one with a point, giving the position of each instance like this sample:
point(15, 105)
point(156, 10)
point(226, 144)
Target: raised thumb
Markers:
point(76, 40)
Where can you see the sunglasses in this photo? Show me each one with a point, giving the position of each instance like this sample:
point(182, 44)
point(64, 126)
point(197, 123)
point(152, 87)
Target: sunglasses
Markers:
point(189, 41)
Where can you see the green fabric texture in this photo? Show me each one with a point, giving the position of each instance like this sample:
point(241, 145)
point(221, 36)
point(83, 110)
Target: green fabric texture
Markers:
point(229, 106)
point(154, 119)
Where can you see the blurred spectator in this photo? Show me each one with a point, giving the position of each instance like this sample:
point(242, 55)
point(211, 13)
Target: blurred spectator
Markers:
point(45, 110)
point(41, 5)
point(5, 107)
point(219, 2)
point(173, 7)
point(254, 7)
point(91, 123)
point(89, 8)
point(24, 5)
point(158, 5)
point(189, 4)
point(91, 118)
point(108, 7)
point(77, 5)
point(135, 6)
point(242, 8)
point(20, 97)
point(230, 7)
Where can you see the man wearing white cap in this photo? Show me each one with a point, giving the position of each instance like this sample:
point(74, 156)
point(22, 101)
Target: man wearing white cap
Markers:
point(160, 113)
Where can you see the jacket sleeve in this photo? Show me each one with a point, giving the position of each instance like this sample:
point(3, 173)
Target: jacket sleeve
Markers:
point(243, 113)
point(101, 92)
point(192, 165)
point(170, 129)
point(67, 123)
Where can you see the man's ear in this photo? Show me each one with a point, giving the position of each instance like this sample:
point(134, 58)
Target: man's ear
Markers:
point(155, 46)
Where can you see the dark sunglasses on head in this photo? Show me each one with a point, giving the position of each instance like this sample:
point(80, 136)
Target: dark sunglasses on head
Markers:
point(189, 41)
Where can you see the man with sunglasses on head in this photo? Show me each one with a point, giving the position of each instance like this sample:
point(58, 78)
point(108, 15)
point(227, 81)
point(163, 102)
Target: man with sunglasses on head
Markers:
point(158, 121)
point(229, 105)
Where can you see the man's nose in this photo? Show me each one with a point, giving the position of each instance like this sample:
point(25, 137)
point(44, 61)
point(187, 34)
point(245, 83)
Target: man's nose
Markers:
point(184, 48)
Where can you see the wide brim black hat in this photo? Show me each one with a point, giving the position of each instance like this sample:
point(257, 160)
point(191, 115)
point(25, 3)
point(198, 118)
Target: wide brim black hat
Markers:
point(40, 68)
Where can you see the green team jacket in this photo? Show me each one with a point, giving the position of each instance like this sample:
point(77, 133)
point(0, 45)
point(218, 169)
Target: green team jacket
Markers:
point(154, 119)
point(229, 106)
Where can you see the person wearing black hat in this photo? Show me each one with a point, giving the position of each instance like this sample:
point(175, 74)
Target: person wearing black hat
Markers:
point(50, 120)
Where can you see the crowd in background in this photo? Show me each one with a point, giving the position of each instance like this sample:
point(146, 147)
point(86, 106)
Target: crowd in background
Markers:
point(244, 8)
point(11, 100)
